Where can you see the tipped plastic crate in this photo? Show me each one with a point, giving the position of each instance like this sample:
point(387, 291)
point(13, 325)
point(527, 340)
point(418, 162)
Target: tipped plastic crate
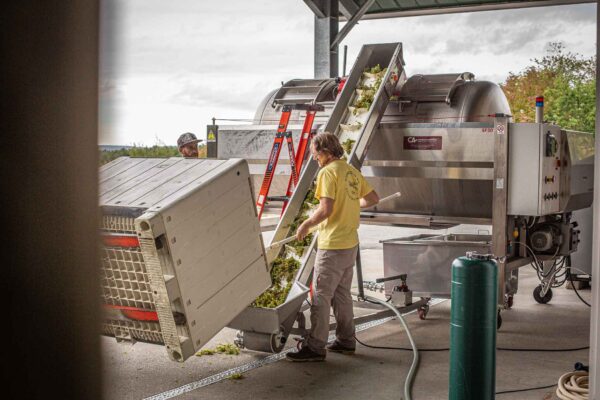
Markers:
point(183, 253)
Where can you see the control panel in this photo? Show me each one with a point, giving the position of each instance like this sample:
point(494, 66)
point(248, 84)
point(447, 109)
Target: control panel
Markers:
point(534, 169)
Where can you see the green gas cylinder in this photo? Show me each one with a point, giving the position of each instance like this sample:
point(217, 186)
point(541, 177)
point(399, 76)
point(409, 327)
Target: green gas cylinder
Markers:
point(473, 323)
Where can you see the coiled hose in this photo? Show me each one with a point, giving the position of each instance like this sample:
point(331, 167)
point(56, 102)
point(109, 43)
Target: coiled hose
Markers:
point(573, 386)
point(413, 368)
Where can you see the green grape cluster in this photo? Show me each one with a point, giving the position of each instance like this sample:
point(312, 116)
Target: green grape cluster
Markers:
point(282, 278)
point(347, 145)
point(374, 70)
point(284, 269)
point(228, 348)
point(364, 100)
point(223, 348)
point(368, 91)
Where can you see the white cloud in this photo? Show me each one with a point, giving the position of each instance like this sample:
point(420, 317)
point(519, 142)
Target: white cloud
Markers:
point(170, 66)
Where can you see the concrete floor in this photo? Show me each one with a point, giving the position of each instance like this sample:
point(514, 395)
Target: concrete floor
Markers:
point(144, 370)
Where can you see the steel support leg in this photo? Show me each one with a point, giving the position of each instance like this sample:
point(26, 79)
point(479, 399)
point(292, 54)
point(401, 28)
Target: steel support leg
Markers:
point(326, 29)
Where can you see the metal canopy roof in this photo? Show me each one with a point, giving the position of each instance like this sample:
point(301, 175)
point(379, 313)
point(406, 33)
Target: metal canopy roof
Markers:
point(405, 8)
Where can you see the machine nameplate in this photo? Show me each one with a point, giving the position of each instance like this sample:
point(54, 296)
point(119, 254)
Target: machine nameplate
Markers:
point(422, 143)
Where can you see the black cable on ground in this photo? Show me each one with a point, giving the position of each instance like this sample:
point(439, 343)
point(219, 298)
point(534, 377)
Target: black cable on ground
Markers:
point(526, 390)
point(394, 348)
point(447, 349)
point(576, 292)
point(544, 350)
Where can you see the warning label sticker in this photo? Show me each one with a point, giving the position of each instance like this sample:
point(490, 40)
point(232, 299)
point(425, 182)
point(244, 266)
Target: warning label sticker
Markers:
point(422, 142)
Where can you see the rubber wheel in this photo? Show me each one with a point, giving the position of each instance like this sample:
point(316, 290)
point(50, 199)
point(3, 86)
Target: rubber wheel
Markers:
point(509, 301)
point(277, 343)
point(499, 321)
point(537, 295)
point(423, 310)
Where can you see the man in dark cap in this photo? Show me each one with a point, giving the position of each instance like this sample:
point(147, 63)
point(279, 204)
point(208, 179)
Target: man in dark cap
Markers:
point(188, 145)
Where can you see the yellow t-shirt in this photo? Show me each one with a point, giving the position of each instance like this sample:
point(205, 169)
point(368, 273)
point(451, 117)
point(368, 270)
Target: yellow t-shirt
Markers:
point(343, 183)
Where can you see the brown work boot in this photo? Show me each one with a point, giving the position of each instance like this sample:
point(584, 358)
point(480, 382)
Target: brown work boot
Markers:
point(305, 354)
point(338, 348)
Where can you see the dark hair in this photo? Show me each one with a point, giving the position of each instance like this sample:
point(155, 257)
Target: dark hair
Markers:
point(328, 142)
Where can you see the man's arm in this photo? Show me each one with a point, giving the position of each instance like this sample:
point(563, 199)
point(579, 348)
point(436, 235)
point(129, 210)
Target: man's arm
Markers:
point(321, 214)
point(369, 200)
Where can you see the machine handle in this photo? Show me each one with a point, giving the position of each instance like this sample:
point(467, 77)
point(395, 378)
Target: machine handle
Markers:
point(391, 278)
point(287, 240)
point(388, 198)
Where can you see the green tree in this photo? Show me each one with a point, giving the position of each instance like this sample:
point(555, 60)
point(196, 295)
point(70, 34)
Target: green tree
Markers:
point(139, 151)
point(568, 83)
point(156, 151)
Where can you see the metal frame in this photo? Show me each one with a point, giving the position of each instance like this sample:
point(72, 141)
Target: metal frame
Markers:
point(500, 199)
point(595, 317)
point(348, 8)
point(328, 14)
point(351, 22)
point(508, 5)
point(379, 313)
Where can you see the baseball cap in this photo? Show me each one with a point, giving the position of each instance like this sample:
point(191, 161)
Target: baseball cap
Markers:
point(187, 138)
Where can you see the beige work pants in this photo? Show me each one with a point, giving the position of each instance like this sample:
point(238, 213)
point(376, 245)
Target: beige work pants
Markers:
point(332, 280)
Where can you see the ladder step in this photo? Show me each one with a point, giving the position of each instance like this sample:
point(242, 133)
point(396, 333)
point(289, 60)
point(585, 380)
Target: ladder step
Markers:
point(302, 87)
point(294, 100)
point(278, 198)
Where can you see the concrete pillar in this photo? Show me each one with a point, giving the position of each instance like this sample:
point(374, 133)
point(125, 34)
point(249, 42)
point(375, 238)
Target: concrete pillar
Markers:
point(48, 207)
point(326, 29)
point(595, 313)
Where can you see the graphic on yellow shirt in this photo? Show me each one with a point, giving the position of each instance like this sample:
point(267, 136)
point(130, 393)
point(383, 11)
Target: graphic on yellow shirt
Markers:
point(345, 185)
point(352, 185)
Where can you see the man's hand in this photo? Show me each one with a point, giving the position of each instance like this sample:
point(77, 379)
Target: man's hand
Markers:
point(321, 214)
point(369, 200)
point(302, 231)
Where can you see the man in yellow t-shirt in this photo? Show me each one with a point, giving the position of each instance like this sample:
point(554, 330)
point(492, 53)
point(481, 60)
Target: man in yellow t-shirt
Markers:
point(342, 191)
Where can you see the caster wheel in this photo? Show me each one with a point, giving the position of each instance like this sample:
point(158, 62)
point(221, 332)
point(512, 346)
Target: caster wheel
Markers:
point(423, 310)
point(277, 343)
point(498, 321)
point(509, 301)
point(538, 297)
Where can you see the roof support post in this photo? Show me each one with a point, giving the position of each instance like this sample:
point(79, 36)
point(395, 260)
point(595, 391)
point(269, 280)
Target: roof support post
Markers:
point(326, 29)
point(595, 312)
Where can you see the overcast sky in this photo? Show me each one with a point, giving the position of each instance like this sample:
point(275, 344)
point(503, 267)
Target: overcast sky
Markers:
point(169, 66)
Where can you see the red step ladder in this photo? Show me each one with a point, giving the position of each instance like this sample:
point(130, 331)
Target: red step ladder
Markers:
point(296, 159)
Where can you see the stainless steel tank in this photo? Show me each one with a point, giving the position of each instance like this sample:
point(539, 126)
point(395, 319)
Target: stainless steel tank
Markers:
point(456, 166)
point(435, 145)
point(442, 173)
point(456, 97)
